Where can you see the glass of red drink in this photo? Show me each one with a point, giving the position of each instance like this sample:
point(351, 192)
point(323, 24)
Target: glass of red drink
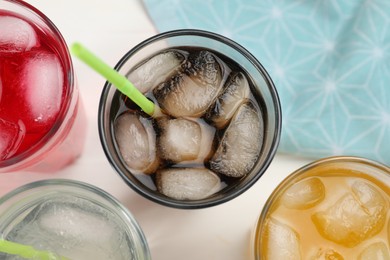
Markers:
point(42, 122)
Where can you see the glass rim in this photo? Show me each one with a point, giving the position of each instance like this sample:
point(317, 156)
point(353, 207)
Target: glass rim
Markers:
point(48, 183)
point(334, 159)
point(66, 62)
point(88, 190)
point(204, 203)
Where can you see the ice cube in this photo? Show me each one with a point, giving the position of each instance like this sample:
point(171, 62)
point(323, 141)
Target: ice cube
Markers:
point(281, 241)
point(11, 136)
point(16, 35)
point(187, 183)
point(136, 140)
point(75, 228)
point(43, 82)
point(75, 220)
point(234, 93)
point(240, 146)
point(156, 70)
point(179, 140)
point(304, 194)
point(183, 140)
point(355, 217)
point(191, 93)
point(376, 251)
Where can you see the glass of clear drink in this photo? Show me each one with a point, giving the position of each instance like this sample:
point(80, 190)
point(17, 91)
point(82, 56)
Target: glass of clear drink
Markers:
point(334, 208)
point(219, 125)
point(42, 121)
point(70, 219)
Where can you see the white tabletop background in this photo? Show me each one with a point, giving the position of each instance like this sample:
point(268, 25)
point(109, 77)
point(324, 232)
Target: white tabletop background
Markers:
point(110, 29)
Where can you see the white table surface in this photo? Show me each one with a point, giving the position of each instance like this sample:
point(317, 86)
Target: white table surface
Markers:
point(110, 29)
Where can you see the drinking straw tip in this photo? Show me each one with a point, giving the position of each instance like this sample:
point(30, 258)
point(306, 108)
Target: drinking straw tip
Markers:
point(26, 251)
point(75, 48)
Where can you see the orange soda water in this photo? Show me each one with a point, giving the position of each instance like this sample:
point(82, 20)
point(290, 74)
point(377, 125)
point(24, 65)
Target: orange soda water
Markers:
point(337, 208)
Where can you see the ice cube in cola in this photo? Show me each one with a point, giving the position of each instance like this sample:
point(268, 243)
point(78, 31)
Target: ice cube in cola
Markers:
point(136, 140)
point(212, 129)
point(162, 65)
point(240, 145)
point(187, 183)
point(184, 139)
point(191, 91)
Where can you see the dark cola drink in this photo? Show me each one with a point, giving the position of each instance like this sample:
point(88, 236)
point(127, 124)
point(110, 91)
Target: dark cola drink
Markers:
point(211, 130)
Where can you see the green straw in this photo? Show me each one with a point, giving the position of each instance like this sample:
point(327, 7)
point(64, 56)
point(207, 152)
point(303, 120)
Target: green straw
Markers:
point(112, 76)
point(27, 252)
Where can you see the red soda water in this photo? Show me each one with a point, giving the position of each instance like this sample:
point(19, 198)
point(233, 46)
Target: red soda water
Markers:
point(39, 104)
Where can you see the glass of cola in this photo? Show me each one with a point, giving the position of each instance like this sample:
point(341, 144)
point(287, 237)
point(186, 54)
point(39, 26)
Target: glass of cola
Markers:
point(219, 125)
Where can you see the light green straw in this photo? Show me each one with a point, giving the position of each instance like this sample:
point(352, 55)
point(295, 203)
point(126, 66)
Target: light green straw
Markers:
point(112, 76)
point(27, 252)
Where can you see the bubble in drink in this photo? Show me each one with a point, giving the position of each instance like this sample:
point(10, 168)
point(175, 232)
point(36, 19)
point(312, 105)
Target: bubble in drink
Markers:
point(187, 183)
point(74, 228)
point(211, 131)
point(355, 217)
point(16, 35)
point(376, 251)
point(161, 66)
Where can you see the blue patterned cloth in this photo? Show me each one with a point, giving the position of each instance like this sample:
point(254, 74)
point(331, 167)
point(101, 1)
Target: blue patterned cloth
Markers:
point(330, 61)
